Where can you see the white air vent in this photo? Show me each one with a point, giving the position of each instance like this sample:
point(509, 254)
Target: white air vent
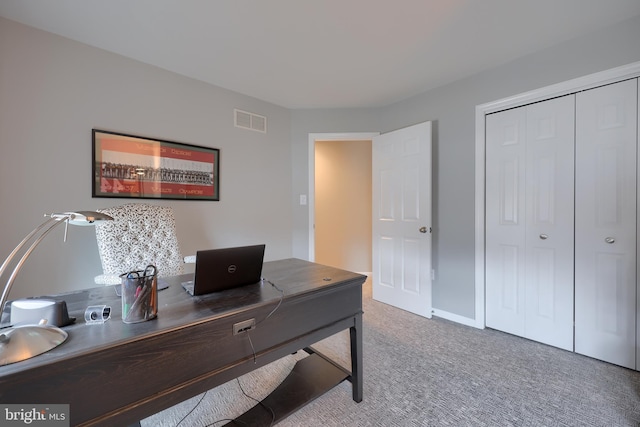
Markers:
point(246, 120)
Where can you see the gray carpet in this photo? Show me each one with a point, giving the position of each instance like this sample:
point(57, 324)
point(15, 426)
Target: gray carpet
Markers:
point(440, 373)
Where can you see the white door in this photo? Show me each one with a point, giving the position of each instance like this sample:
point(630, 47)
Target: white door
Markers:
point(529, 214)
point(606, 223)
point(505, 221)
point(401, 238)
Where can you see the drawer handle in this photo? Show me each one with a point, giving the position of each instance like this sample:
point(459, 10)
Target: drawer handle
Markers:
point(610, 240)
point(544, 237)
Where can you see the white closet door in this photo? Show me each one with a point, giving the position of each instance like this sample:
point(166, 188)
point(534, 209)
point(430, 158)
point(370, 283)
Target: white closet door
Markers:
point(549, 235)
point(505, 220)
point(529, 214)
point(605, 298)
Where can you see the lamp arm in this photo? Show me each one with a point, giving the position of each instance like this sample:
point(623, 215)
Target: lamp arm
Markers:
point(7, 288)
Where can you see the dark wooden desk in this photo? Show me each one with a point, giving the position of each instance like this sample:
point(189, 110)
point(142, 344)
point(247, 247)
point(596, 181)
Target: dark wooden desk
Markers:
point(117, 373)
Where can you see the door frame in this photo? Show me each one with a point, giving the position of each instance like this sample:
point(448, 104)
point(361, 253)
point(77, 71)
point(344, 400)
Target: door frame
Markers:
point(311, 200)
point(571, 86)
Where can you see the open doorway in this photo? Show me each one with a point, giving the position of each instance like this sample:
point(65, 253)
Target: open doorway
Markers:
point(340, 200)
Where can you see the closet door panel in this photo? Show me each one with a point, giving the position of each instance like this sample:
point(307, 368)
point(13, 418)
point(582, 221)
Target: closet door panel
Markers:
point(529, 214)
point(549, 211)
point(606, 153)
point(505, 221)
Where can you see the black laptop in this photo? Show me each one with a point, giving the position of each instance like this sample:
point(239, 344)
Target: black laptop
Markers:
point(220, 269)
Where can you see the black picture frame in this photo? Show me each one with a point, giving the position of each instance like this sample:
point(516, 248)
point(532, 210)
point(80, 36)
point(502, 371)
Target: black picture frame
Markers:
point(129, 166)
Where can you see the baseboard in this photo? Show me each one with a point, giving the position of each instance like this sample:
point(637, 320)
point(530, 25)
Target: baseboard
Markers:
point(449, 316)
point(456, 318)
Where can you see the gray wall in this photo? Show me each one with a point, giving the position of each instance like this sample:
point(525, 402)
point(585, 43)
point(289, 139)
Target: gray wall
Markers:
point(53, 91)
point(452, 109)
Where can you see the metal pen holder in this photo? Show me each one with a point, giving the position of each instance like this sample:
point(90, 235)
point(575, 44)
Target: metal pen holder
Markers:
point(140, 295)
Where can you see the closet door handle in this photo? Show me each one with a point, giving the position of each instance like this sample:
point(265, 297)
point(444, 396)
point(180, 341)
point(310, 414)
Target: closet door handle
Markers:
point(609, 240)
point(544, 237)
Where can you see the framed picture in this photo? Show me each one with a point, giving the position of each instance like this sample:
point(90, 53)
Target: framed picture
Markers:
point(136, 167)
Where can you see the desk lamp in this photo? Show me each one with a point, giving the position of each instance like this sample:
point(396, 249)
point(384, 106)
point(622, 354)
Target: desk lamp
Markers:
point(23, 342)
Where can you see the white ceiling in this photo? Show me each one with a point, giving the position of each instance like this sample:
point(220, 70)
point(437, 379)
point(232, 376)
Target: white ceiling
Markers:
point(322, 53)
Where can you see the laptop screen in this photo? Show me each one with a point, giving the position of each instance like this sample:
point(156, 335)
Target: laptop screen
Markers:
point(220, 269)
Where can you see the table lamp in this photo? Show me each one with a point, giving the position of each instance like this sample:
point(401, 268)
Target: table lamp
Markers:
point(21, 342)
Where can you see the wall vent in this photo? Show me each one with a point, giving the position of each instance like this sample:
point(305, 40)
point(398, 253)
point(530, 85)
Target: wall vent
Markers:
point(246, 120)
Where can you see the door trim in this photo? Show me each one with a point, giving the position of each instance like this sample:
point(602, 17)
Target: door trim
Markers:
point(311, 200)
point(571, 86)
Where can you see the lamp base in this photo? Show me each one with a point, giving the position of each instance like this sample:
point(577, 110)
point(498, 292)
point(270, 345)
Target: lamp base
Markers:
point(23, 342)
point(31, 311)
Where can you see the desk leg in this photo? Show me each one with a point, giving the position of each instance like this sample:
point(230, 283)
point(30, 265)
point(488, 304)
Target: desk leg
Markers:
point(356, 357)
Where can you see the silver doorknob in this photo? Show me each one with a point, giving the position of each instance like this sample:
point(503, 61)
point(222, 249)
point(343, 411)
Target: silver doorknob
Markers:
point(610, 240)
point(423, 229)
point(544, 237)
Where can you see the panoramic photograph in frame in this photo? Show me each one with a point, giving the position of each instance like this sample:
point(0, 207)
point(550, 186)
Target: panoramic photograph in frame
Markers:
point(128, 166)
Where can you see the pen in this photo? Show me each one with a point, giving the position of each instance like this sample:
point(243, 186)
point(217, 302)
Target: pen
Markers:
point(138, 301)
